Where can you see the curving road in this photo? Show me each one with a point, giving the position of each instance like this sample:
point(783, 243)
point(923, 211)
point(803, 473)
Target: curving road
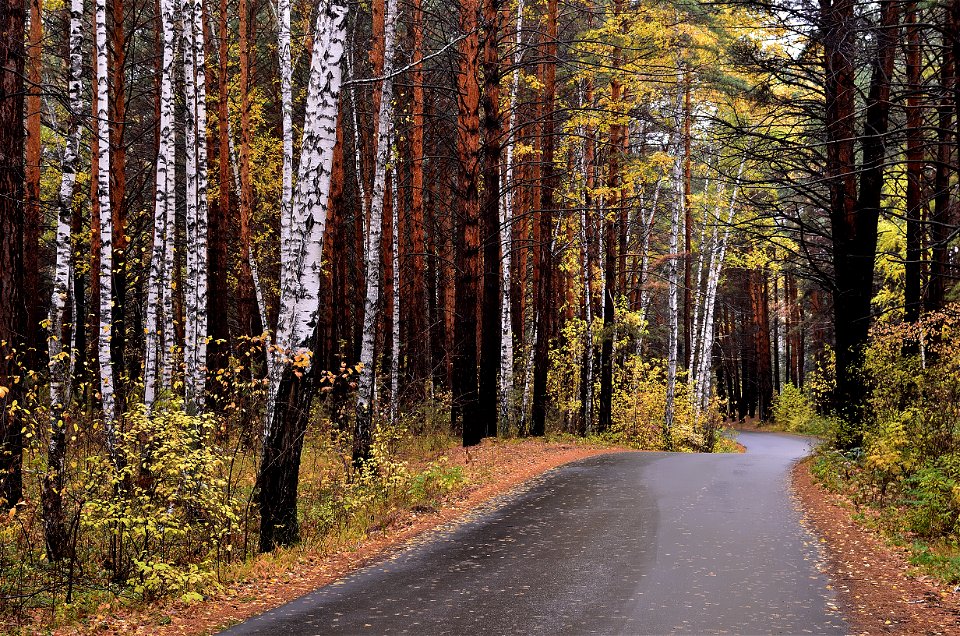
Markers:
point(629, 543)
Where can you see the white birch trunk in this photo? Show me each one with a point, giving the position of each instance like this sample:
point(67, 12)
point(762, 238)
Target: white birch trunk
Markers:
point(506, 246)
point(374, 235)
point(288, 242)
point(155, 283)
point(588, 318)
point(395, 325)
point(299, 298)
point(673, 297)
point(60, 361)
point(699, 316)
point(645, 256)
point(195, 327)
point(703, 374)
point(105, 331)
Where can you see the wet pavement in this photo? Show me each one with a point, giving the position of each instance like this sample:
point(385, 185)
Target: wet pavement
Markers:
point(628, 543)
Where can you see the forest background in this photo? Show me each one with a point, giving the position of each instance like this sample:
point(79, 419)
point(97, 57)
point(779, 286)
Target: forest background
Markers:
point(259, 261)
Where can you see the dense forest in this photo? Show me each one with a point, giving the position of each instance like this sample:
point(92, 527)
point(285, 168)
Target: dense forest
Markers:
point(242, 239)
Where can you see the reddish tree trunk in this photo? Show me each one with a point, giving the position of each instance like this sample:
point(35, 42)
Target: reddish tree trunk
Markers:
point(12, 316)
point(465, 388)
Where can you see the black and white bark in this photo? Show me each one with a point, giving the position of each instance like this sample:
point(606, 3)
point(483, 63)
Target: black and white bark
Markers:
point(363, 427)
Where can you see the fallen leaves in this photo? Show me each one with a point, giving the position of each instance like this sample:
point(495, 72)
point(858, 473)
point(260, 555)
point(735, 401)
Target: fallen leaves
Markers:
point(875, 590)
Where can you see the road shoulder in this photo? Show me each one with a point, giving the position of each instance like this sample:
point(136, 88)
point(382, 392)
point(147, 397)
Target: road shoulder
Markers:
point(493, 468)
point(877, 591)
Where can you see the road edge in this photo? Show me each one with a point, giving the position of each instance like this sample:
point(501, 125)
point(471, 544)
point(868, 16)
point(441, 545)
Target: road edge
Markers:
point(311, 570)
point(874, 587)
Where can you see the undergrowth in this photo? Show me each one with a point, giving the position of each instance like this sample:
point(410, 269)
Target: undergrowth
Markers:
point(905, 478)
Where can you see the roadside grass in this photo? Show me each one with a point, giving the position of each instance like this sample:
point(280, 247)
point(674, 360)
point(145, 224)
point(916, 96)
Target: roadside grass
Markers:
point(893, 510)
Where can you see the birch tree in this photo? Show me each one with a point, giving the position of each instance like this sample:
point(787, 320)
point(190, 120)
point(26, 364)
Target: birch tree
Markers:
point(159, 289)
point(292, 383)
point(195, 283)
point(506, 241)
point(60, 327)
point(701, 369)
point(363, 427)
point(673, 279)
point(106, 229)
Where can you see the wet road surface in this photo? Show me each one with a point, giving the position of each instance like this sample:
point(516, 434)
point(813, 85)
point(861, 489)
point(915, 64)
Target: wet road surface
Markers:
point(629, 543)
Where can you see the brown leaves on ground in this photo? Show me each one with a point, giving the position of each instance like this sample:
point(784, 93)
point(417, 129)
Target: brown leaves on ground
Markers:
point(874, 584)
point(492, 468)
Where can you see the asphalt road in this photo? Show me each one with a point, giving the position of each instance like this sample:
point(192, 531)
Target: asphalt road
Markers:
point(630, 543)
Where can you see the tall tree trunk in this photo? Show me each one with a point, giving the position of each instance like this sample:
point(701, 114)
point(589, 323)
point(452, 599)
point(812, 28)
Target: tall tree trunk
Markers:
point(33, 212)
point(614, 149)
point(221, 213)
point(490, 331)
point(687, 218)
point(62, 324)
point(296, 336)
point(942, 199)
point(159, 287)
point(105, 330)
point(549, 181)
point(507, 415)
point(673, 267)
point(914, 168)
point(465, 367)
point(12, 316)
point(195, 289)
point(855, 237)
point(249, 323)
point(118, 195)
point(363, 431)
point(419, 356)
point(761, 338)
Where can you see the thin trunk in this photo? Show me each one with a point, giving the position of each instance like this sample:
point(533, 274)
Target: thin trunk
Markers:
point(158, 288)
point(549, 183)
point(221, 213)
point(195, 279)
point(507, 412)
point(246, 292)
point(118, 195)
point(490, 309)
point(105, 330)
point(62, 324)
point(33, 212)
point(363, 431)
point(395, 297)
point(687, 218)
point(419, 356)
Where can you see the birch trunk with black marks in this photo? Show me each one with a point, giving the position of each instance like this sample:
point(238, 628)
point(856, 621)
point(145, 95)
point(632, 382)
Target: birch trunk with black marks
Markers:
point(195, 279)
point(363, 427)
point(293, 381)
point(104, 332)
point(159, 288)
point(702, 385)
point(61, 321)
point(507, 412)
point(673, 297)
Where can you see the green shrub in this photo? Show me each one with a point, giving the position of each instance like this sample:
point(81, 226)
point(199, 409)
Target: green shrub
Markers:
point(161, 499)
point(796, 412)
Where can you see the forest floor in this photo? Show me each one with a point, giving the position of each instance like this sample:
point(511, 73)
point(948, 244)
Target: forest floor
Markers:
point(491, 469)
point(875, 584)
